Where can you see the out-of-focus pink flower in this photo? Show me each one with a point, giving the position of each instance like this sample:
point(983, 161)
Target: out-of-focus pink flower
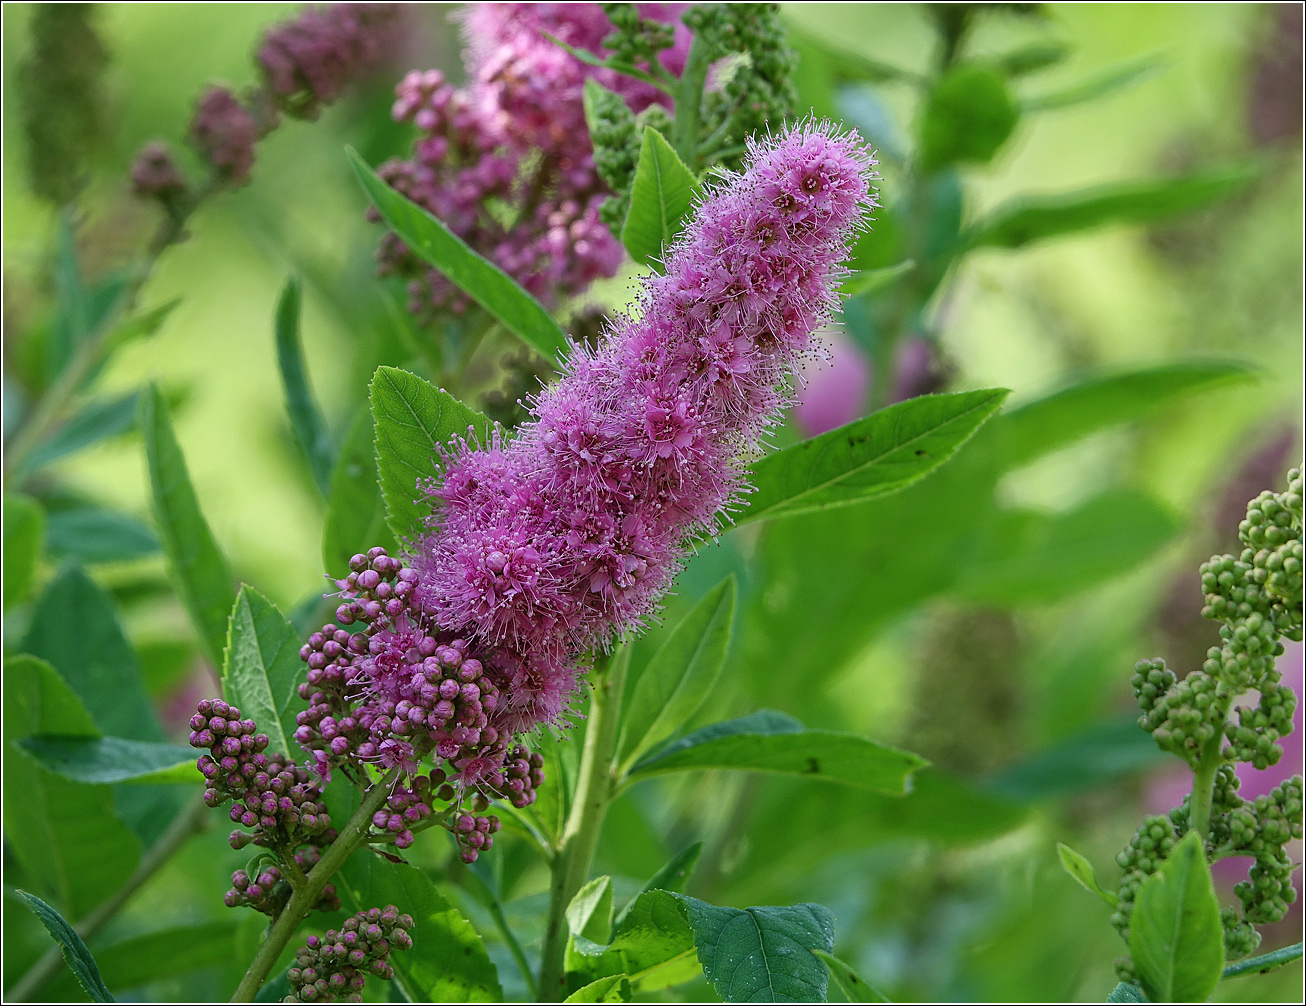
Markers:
point(834, 388)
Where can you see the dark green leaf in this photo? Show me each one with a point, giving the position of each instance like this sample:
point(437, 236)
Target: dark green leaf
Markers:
point(448, 961)
point(415, 422)
point(306, 422)
point(612, 989)
point(1112, 78)
point(855, 990)
point(772, 742)
point(1126, 992)
point(487, 284)
point(91, 535)
point(1033, 57)
point(141, 326)
point(105, 760)
point(1033, 557)
point(969, 114)
point(1082, 870)
point(75, 627)
point(162, 954)
point(97, 421)
point(355, 514)
point(1175, 935)
point(1098, 402)
point(681, 674)
point(660, 201)
point(1098, 756)
point(1034, 218)
point(653, 945)
point(23, 533)
point(198, 568)
point(590, 913)
point(75, 953)
point(880, 454)
point(66, 835)
point(1264, 963)
point(846, 63)
point(672, 877)
point(870, 281)
point(261, 670)
point(762, 954)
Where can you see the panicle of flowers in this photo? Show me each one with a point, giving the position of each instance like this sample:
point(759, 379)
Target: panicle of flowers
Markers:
point(568, 535)
point(506, 161)
point(333, 967)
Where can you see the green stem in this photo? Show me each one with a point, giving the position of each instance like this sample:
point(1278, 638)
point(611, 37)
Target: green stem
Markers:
point(1199, 805)
point(1266, 962)
point(689, 100)
point(595, 786)
point(301, 902)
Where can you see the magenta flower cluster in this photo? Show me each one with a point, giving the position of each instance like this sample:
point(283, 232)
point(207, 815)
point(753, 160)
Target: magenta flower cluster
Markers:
point(506, 161)
point(566, 537)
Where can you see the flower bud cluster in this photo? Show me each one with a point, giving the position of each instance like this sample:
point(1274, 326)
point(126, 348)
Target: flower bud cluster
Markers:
point(1182, 716)
point(1146, 852)
point(155, 174)
point(268, 891)
point(332, 968)
point(224, 132)
point(1264, 827)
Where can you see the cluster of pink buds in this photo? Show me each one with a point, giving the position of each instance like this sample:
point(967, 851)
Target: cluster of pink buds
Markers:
point(332, 968)
point(268, 891)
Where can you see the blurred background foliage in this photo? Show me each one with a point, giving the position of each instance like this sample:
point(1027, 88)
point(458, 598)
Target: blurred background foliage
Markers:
point(988, 617)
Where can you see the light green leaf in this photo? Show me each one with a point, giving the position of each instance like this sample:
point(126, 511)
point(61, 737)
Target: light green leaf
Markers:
point(157, 955)
point(612, 989)
point(660, 201)
point(969, 114)
point(880, 454)
point(870, 281)
point(681, 674)
point(1082, 870)
point(355, 514)
point(1105, 400)
point(140, 326)
point(1034, 218)
point(106, 760)
point(590, 913)
point(261, 670)
point(1112, 78)
point(95, 422)
point(198, 568)
point(1264, 963)
point(1175, 935)
point(653, 945)
point(762, 954)
point(1033, 57)
point(1099, 755)
point(414, 422)
point(855, 990)
point(772, 742)
point(75, 952)
point(487, 284)
point(672, 877)
point(24, 526)
point(306, 421)
point(448, 961)
point(92, 534)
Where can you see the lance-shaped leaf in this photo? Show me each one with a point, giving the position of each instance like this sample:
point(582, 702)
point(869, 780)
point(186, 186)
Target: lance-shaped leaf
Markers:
point(874, 280)
point(769, 741)
point(589, 916)
point(612, 989)
point(262, 667)
point(355, 515)
point(854, 988)
point(75, 952)
point(1175, 935)
point(1082, 870)
point(415, 423)
point(306, 422)
point(660, 200)
point(681, 674)
point(96, 421)
point(1034, 218)
point(107, 760)
point(93, 534)
point(882, 453)
point(483, 281)
point(1112, 78)
point(1264, 963)
point(199, 570)
point(24, 530)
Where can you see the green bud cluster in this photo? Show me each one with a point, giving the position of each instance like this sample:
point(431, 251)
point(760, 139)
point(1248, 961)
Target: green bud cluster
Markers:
point(1145, 853)
point(1182, 716)
point(617, 134)
point(1264, 827)
point(757, 88)
point(637, 40)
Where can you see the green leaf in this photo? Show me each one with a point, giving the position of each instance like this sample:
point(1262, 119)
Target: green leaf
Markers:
point(1264, 963)
point(612, 989)
point(448, 961)
point(762, 954)
point(75, 953)
point(1101, 401)
point(1032, 557)
point(306, 422)
point(850, 984)
point(681, 674)
point(75, 627)
point(158, 955)
point(672, 877)
point(261, 669)
point(590, 913)
point(1033, 57)
point(969, 114)
point(487, 284)
point(653, 945)
point(24, 526)
point(355, 513)
point(1082, 870)
point(1126, 992)
point(1034, 218)
point(1112, 78)
point(871, 281)
point(140, 326)
point(1175, 935)
point(416, 421)
point(92, 534)
point(198, 568)
point(106, 760)
point(660, 201)
point(95, 422)
point(773, 742)
point(880, 454)
point(66, 835)
point(1099, 755)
